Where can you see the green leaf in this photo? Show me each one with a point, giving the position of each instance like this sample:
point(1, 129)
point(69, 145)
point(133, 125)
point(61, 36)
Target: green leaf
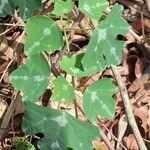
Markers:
point(7, 7)
point(73, 66)
point(97, 99)
point(31, 78)
point(42, 35)
point(62, 7)
point(27, 7)
point(103, 46)
point(62, 90)
point(93, 8)
point(60, 129)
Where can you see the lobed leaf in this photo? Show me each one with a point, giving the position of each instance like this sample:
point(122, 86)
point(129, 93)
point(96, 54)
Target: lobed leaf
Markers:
point(97, 99)
point(93, 8)
point(103, 45)
point(31, 78)
point(42, 35)
point(60, 129)
point(62, 90)
point(7, 7)
point(26, 7)
point(73, 66)
point(62, 7)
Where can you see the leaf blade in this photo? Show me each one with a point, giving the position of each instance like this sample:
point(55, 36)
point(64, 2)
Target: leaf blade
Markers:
point(43, 35)
point(103, 46)
point(31, 78)
point(62, 127)
point(97, 99)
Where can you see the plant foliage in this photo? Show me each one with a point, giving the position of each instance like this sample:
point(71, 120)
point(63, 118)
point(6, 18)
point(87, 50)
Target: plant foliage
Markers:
point(26, 8)
point(60, 129)
point(62, 90)
point(32, 78)
point(94, 8)
point(62, 7)
point(98, 100)
point(42, 35)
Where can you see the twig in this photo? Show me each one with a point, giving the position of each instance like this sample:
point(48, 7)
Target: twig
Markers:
point(8, 114)
point(128, 109)
point(12, 24)
point(114, 137)
point(107, 142)
point(74, 25)
point(148, 4)
point(10, 28)
point(136, 36)
point(6, 70)
point(131, 5)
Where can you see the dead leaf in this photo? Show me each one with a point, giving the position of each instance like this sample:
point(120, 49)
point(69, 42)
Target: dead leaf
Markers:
point(130, 142)
point(3, 107)
point(138, 68)
point(122, 126)
point(148, 120)
point(141, 112)
point(135, 86)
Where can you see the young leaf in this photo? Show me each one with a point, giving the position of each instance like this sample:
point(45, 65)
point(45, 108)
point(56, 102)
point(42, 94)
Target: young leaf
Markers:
point(60, 129)
point(42, 35)
point(27, 7)
point(93, 8)
point(31, 78)
point(97, 99)
point(62, 7)
point(73, 66)
point(103, 43)
point(62, 90)
point(7, 7)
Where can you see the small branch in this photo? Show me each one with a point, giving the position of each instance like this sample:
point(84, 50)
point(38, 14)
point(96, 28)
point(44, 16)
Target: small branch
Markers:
point(136, 36)
point(128, 109)
point(106, 141)
point(148, 4)
point(9, 114)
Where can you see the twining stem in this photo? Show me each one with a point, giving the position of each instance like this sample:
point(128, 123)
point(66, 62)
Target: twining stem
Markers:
point(128, 108)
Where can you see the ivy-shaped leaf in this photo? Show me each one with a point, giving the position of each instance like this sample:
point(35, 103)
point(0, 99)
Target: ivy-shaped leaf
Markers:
point(93, 8)
point(62, 90)
point(7, 7)
point(31, 78)
point(60, 129)
point(97, 99)
point(27, 7)
point(103, 45)
point(73, 66)
point(62, 7)
point(42, 35)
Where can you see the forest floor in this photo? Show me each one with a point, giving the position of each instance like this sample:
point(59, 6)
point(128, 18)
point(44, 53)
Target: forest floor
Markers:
point(134, 70)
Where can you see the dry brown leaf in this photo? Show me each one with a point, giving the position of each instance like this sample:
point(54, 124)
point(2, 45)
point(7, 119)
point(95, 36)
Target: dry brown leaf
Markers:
point(148, 120)
point(143, 115)
point(122, 126)
point(3, 107)
point(130, 38)
point(137, 25)
point(100, 145)
point(138, 68)
point(130, 142)
point(135, 86)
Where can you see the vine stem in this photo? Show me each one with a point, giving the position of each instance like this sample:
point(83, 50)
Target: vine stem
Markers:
point(128, 108)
